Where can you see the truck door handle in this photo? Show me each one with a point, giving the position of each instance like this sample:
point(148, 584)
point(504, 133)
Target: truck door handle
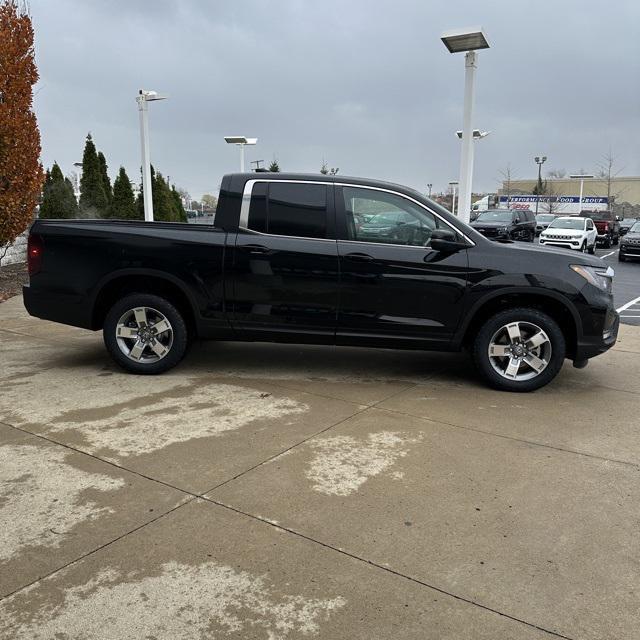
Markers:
point(359, 257)
point(256, 249)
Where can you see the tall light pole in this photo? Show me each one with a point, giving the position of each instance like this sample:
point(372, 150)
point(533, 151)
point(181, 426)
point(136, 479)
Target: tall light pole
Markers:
point(453, 186)
point(78, 166)
point(143, 98)
point(540, 160)
point(581, 177)
point(430, 186)
point(458, 41)
point(242, 142)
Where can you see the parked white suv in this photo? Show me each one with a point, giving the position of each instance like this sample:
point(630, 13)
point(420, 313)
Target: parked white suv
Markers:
point(571, 232)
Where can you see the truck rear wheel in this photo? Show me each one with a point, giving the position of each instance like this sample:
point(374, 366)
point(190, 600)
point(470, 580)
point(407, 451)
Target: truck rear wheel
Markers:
point(519, 350)
point(145, 333)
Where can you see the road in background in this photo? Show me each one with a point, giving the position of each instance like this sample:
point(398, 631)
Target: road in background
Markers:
point(626, 285)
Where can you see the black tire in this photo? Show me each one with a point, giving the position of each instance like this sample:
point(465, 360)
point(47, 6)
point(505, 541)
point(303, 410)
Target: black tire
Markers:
point(607, 242)
point(592, 248)
point(549, 326)
point(621, 257)
point(583, 248)
point(175, 349)
point(616, 240)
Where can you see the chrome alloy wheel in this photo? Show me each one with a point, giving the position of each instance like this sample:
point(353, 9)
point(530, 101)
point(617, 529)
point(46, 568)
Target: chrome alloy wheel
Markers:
point(144, 334)
point(519, 351)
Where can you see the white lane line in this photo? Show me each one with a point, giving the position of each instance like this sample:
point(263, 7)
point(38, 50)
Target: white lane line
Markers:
point(606, 255)
point(624, 307)
point(626, 316)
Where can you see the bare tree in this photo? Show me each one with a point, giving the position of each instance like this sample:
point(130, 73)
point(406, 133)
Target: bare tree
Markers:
point(556, 174)
point(608, 171)
point(507, 182)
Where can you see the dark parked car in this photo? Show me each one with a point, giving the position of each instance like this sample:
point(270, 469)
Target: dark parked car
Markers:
point(543, 220)
point(506, 224)
point(285, 261)
point(630, 244)
point(626, 224)
point(607, 225)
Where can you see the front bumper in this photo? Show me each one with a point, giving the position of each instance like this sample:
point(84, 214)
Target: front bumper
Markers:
point(564, 244)
point(591, 346)
point(633, 251)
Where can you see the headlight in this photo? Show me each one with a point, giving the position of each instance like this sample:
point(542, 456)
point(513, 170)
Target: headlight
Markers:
point(502, 229)
point(576, 237)
point(601, 277)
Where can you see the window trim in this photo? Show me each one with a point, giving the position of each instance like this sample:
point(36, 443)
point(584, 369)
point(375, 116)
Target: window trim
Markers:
point(246, 203)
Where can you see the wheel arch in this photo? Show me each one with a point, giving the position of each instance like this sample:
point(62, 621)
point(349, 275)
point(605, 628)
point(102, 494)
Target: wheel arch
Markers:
point(552, 304)
point(127, 281)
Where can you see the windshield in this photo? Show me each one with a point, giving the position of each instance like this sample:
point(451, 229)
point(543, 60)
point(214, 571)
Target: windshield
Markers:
point(635, 228)
point(567, 223)
point(494, 216)
point(545, 217)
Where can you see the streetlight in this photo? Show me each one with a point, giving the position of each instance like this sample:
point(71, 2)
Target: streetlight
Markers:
point(458, 41)
point(240, 141)
point(147, 196)
point(453, 184)
point(429, 186)
point(477, 134)
point(581, 177)
point(78, 166)
point(540, 160)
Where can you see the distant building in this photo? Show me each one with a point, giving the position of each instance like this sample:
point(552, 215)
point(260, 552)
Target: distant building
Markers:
point(623, 189)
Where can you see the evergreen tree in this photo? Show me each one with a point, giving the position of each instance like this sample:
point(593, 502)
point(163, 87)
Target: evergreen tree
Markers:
point(123, 205)
point(163, 204)
point(106, 182)
point(93, 199)
point(181, 214)
point(58, 198)
point(274, 167)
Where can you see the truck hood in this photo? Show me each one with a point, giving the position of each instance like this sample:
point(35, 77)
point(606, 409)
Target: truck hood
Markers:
point(539, 252)
point(490, 224)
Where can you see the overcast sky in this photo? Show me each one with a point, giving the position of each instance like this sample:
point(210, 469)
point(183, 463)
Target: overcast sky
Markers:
point(366, 85)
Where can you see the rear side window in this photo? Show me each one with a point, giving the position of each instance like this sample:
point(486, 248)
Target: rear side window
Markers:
point(289, 209)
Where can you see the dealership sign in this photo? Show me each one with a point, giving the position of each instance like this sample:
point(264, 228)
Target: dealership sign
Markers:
point(557, 204)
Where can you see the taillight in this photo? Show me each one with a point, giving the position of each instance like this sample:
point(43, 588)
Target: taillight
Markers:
point(35, 249)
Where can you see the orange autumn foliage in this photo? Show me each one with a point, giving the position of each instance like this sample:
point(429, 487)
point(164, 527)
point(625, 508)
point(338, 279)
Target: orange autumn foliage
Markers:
point(20, 169)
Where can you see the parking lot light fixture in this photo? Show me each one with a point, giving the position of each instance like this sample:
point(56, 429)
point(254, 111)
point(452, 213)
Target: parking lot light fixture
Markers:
point(142, 99)
point(581, 177)
point(540, 160)
point(242, 142)
point(477, 134)
point(458, 41)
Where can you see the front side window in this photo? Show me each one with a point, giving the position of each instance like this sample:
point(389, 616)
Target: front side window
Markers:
point(377, 216)
point(289, 209)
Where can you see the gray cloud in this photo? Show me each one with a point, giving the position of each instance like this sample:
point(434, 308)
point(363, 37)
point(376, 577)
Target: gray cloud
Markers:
point(366, 85)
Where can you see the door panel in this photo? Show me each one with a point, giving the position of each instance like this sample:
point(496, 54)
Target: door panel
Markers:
point(394, 288)
point(399, 293)
point(285, 288)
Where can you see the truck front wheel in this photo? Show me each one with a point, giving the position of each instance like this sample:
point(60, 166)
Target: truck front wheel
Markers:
point(145, 333)
point(519, 349)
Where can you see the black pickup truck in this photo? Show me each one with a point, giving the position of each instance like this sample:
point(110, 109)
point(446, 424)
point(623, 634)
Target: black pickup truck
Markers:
point(323, 260)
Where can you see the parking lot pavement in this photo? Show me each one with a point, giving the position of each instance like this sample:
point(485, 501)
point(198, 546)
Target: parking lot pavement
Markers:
point(279, 491)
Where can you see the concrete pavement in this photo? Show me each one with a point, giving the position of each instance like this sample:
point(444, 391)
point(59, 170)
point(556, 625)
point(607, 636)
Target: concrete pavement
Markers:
point(277, 491)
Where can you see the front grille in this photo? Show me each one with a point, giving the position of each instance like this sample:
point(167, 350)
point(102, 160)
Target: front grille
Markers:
point(555, 236)
point(488, 232)
point(632, 241)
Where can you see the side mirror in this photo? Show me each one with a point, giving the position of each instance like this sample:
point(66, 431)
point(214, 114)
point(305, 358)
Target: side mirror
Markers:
point(446, 241)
